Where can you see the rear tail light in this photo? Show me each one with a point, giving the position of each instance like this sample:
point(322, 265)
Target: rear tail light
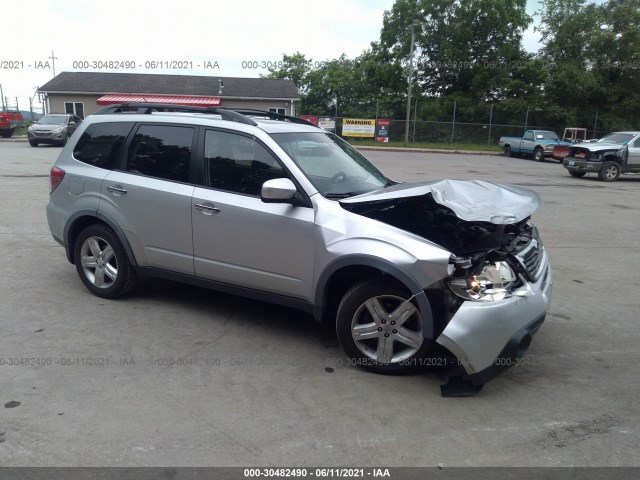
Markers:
point(55, 177)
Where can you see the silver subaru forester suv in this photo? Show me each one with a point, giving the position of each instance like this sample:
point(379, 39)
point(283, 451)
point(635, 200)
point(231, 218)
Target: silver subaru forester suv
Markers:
point(270, 207)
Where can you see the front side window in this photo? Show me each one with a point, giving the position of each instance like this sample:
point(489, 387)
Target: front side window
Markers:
point(529, 136)
point(161, 151)
point(100, 143)
point(333, 166)
point(238, 164)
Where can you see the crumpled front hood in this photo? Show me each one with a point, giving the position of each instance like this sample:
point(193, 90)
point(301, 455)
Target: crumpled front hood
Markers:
point(597, 146)
point(470, 200)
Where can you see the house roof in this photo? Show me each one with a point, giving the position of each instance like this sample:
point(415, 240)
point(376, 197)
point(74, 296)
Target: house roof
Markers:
point(236, 87)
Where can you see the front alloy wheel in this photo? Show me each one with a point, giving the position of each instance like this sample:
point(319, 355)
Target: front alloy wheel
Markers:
point(380, 328)
point(102, 263)
point(609, 172)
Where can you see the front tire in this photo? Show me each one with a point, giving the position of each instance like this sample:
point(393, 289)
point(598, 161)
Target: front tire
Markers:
point(33, 143)
point(380, 328)
point(102, 264)
point(538, 155)
point(577, 174)
point(610, 171)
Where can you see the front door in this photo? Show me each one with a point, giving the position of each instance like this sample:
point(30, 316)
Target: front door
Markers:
point(240, 240)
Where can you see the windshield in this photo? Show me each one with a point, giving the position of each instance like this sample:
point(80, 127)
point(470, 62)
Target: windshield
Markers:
point(333, 166)
point(622, 138)
point(540, 135)
point(53, 120)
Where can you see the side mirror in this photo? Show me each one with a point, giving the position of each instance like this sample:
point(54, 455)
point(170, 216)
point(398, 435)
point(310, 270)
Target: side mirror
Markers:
point(278, 190)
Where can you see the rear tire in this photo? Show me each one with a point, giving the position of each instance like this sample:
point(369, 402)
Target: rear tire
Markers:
point(379, 329)
point(577, 174)
point(507, 151)
point(610, 171)
point(102, 264)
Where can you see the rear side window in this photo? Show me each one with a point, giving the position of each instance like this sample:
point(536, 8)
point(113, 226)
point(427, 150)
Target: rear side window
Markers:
point(100, 143)
point(161, 151)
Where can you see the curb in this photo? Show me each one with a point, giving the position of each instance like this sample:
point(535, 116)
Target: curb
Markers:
point(21, 138)
point(426, 150)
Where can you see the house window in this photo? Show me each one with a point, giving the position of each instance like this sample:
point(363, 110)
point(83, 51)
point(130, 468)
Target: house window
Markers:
point(281, 111)
point(74, 108)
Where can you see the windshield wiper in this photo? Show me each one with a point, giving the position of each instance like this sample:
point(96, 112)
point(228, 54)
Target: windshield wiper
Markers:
point(343, 195)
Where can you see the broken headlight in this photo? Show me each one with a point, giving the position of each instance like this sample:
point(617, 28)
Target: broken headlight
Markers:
point(491, 284)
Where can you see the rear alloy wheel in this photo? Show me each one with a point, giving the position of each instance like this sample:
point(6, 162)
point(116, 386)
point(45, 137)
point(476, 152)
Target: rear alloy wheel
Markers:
point(102, 263)
point(610, 171)
point(538, 155)
point(574, 173)
point(380, 328)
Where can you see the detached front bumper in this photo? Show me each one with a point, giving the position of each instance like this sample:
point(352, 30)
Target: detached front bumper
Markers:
point(487, 337)
point(581, 165)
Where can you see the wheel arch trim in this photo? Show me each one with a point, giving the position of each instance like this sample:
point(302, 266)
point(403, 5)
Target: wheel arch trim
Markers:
point(101, 218)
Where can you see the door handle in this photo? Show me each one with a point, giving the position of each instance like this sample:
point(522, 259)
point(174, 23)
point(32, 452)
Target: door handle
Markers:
point(206, 208)
point(117, 190)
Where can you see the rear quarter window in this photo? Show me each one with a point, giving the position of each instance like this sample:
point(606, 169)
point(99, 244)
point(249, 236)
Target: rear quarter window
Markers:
point(100, 143)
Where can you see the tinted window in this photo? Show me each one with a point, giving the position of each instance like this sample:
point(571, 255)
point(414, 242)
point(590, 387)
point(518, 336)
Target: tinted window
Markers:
point(161, 151)
point(237, 163)
point(100, 143)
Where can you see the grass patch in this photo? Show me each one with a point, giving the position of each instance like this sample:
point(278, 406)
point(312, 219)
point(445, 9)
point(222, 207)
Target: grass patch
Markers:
point(438, 146)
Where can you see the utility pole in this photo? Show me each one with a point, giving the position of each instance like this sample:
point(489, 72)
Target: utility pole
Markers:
point(53, 62)
point(410, 81)
point(2, 97)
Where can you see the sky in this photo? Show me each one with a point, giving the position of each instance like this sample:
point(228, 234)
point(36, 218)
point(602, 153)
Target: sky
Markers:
point(228, 39)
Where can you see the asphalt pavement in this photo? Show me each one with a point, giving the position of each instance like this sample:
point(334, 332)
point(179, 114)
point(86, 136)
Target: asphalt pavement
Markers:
point(181, 376)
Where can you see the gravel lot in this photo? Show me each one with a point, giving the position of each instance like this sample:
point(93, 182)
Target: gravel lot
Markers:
point(97, 387)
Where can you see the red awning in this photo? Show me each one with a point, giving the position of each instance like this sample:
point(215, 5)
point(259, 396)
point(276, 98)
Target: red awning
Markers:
point(114, 98)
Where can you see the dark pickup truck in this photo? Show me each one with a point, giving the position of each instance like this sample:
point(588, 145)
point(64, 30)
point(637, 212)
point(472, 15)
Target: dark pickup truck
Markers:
point(609, 157)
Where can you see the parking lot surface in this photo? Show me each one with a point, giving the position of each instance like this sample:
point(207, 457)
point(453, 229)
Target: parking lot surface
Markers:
point(181, 376)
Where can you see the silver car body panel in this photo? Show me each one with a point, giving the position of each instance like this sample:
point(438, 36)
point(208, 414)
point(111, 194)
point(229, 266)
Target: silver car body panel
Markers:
point(161, 236)
point(264, 246)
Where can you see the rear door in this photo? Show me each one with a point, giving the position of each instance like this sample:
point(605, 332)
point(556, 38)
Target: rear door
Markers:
point(149, 196)
point(237, 238)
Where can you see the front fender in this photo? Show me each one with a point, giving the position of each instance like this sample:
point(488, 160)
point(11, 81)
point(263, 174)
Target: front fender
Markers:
point(359, 260)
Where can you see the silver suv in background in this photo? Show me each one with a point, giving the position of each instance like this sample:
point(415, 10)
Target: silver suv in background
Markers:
point(274, 208)
point(53, 128)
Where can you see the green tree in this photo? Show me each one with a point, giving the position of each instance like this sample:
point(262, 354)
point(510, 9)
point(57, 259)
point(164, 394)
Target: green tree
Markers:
point(468, 46)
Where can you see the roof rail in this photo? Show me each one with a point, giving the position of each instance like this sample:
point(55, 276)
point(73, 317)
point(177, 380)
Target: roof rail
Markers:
point(272, 116)
point(240, 115)
point(149, 108)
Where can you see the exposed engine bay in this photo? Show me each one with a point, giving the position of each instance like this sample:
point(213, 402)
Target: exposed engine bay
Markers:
point(439, 224)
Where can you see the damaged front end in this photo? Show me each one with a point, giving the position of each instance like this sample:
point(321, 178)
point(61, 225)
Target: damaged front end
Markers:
point(498, 292)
